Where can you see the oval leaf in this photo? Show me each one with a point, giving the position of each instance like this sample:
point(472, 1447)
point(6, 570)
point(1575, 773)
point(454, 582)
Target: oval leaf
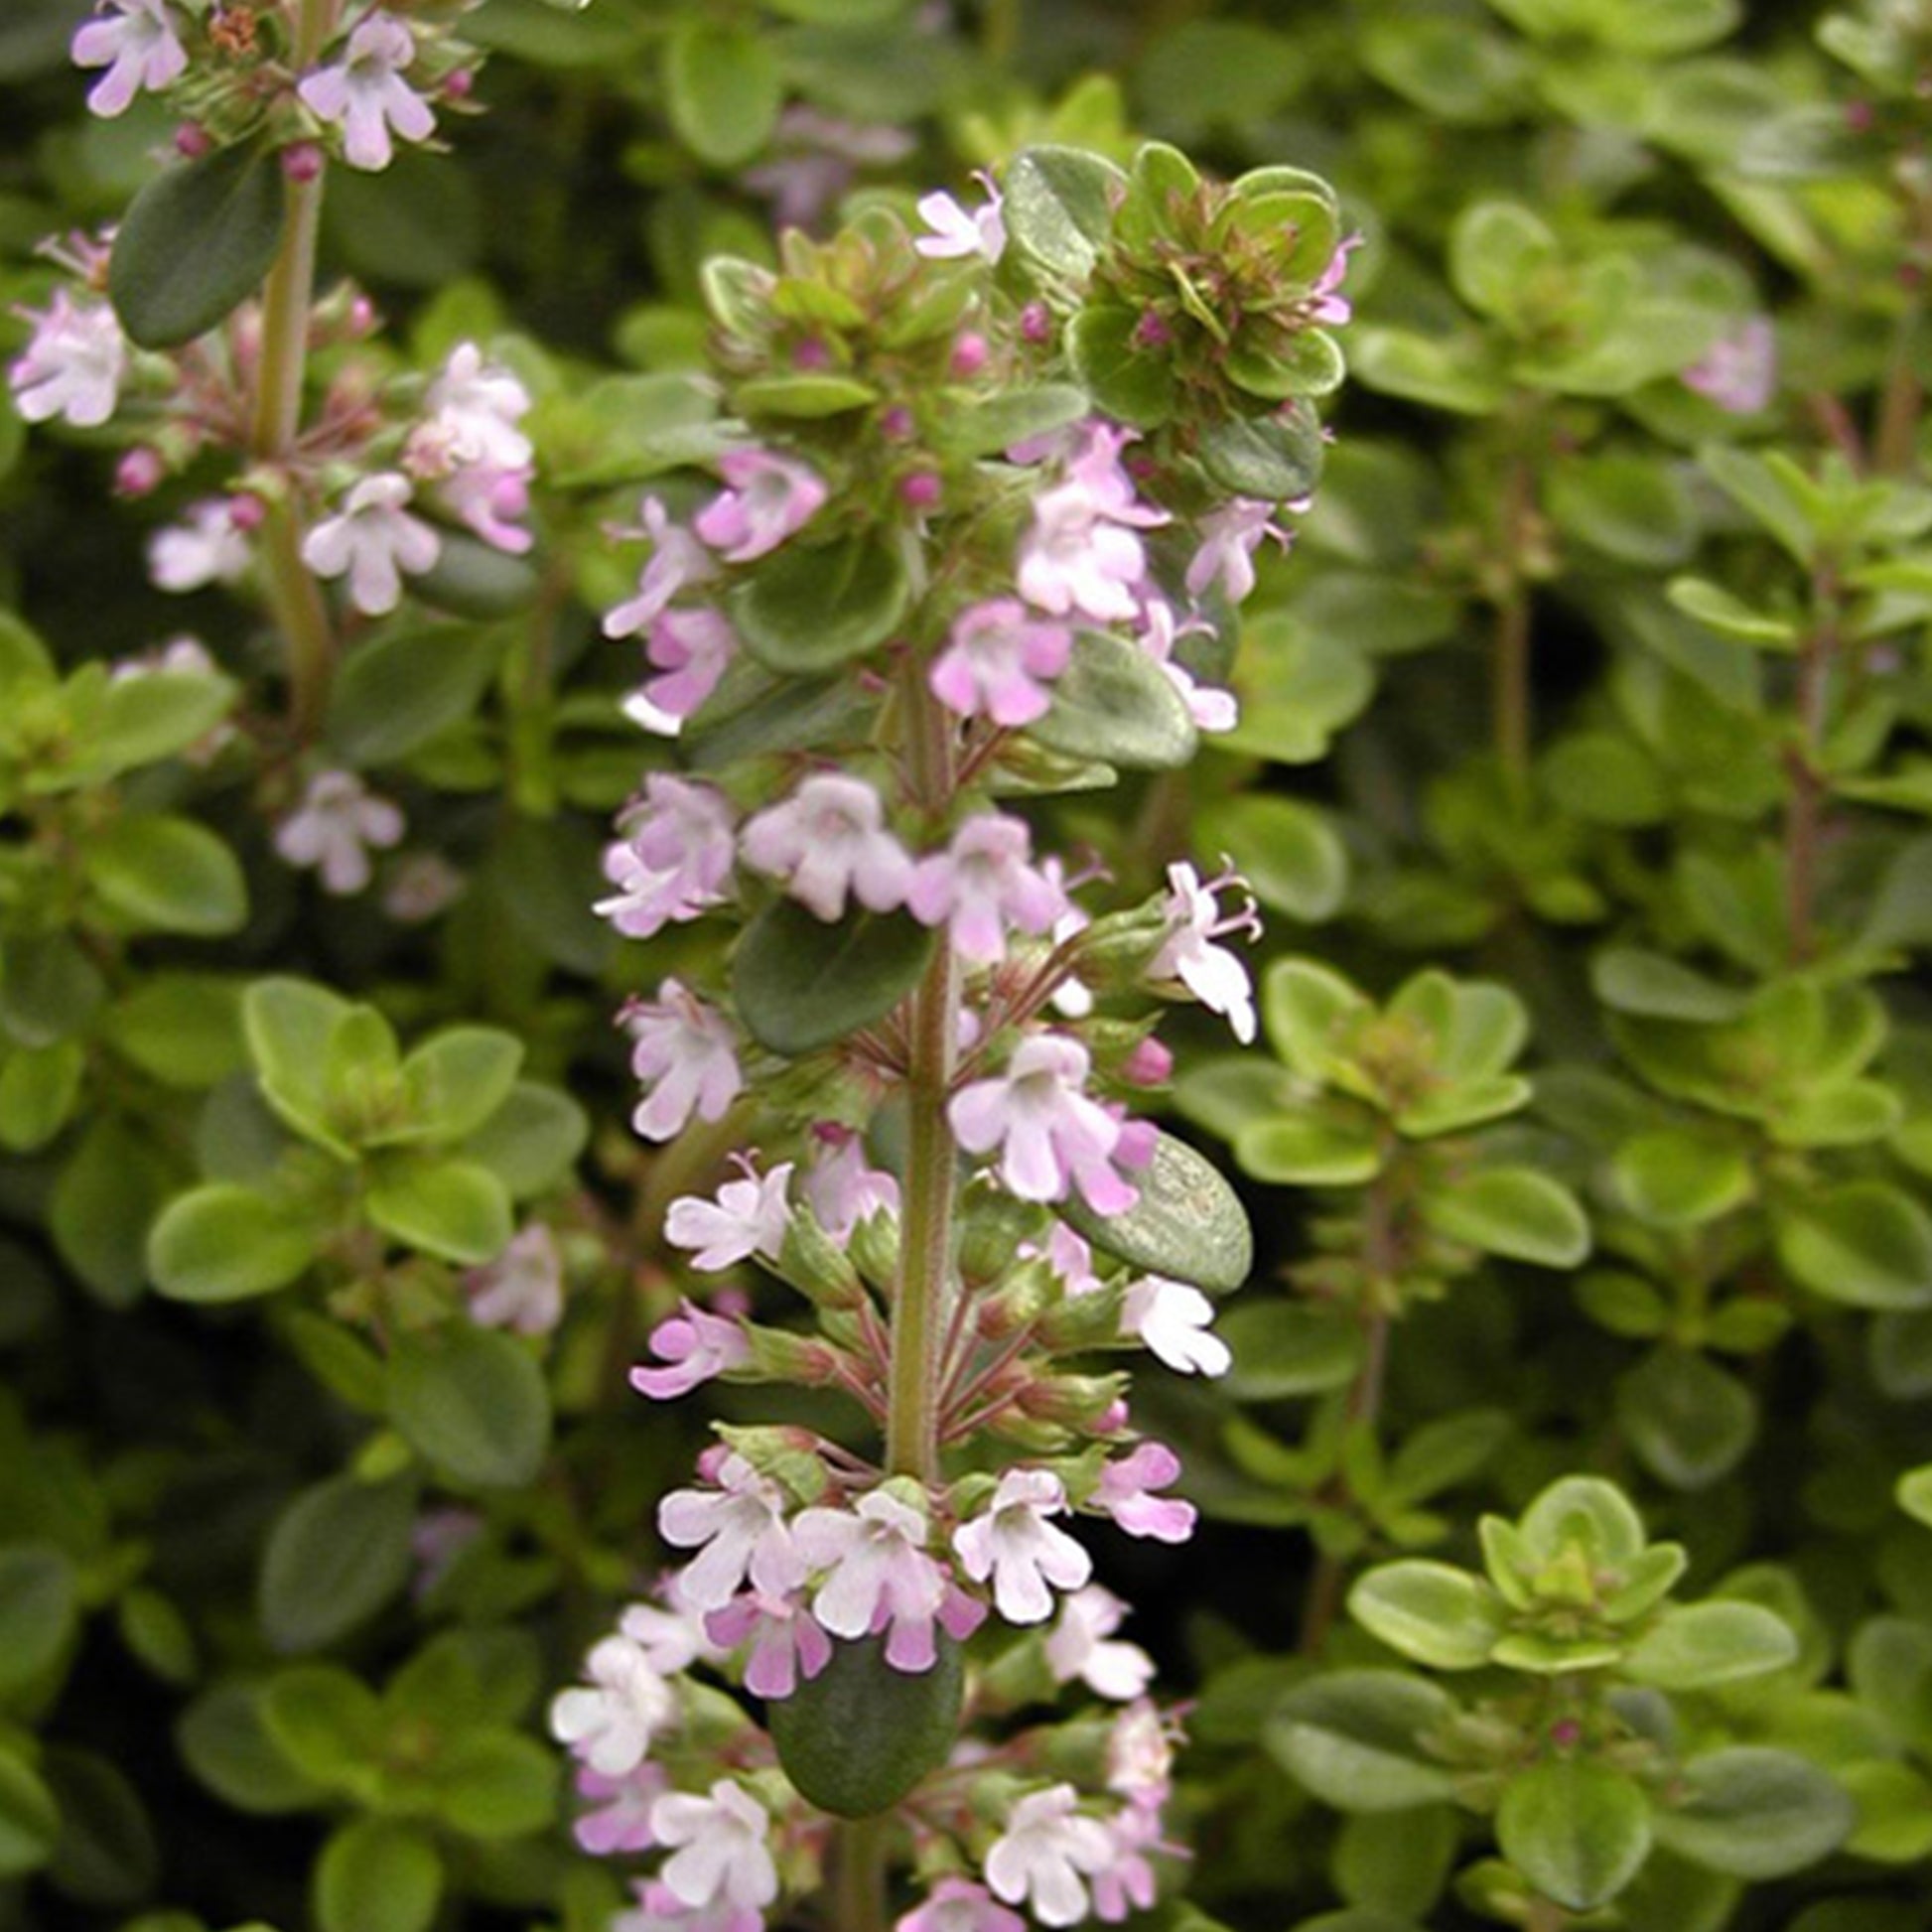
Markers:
point(1432, 1611)
point(810, 609)
point(226, 1242)
point(474, 1401)
point(335, 1556)
point(1188, 1223)
point(1514, 1212)
point(1577, 1831)
point(1755, 1813)
point(1114, 703)
point(801, 984)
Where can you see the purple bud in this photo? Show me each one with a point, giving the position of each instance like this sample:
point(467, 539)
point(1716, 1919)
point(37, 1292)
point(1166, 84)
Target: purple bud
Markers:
point(1035, 322)
point(969, 354)
point(192, 141)
point(920, 491)
point(139, 472)
point(1151, 331)
point(1149, 1064)
point(302, 161)
point(245, 512)
point(460, 85)
point(811, 354)
point(896, 423)
point(1566, 1734)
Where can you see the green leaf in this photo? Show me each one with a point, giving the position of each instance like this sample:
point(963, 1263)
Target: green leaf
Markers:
point(1722, 610)
point(325, 1725)
point(1689, 1422)
point(812, 608)
point(106, 1854)
point(1351, 1738)
point(1289, 1348)
point(1311, 1013)
point(1393, 1862)
point(1288, 851)
point(223, 1738)
point(1498, 252)
point(1013, 416)
point(378, 1875)
point(474, 1401)
point(1754, 1813)
point(859, 1736)
point(104, 1203)
point(30, 1820)
point(160, 873)
point(496, 1785)
point(803, 397)
point(40, 1612)
point(724, 85)
point(455, 1079)
point(1125, 376)
point(1679, 1177)
point(1630, 980)
point(225, 1242)
point(185, 1028)
point(1276, 456)
point(336, 1556)
point(1864, 1243)
point(532, 1141)
point(1059, 207)
point(1577, 1831)
point(143, 720)
point(1697, 1647)
point(801, 984)
point(473, 579)
point(1914, 1493)
point(1588, 1511)
point(396, 692)
point(289, 1023)
point(1311, 1150)
point(1515, 1213)
point(39, 1088)
point(195, 244)
point(1113, 703)
point(1187, 1224)
point(1433, 1612)
point(455, 1209)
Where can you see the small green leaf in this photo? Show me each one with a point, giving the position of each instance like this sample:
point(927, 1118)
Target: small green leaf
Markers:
point(1288, 851)
point(224, 1243)
point(1697, 1646)
point(336, 1556)
point(1577, 1831)
point(1013, 416)
point(378, 1875)
point(1125, 376)
point(185, 1028)
point(474, 1401)
point(288, 1024)
point(223, 1738)
point(106, 1854)
point(1689, 1422)
point(39, 1088)
point(1311, 1150)
point(801, 984)
point(160, 873)
point(1914, 1493)
point(455, 1079)
point(1288, 1348)
point(196, 244)
point(325, 1725)
point(1514, 1212)
point(812, 608)
point(1311, 1013)
point(1351, 1736)
point(723, 87)
point(1187, 1224)
point(1722, 610)
point(1498, 251)
point(1432, 1613)
point(1755, 1813)
point(143, 720)
point(1059, 207)
point(496, 1785)
point(1276, 456)
point(860, 1735)
point(803, 397)
point(30, 1820)
point(1864, 1243)
point(1113, 703)
point(39, 1608)
point(1677, 1178)
point(473, 579)
point(1630, 980)
point(456, 1211)
point(396, 692)
point(532, 1141)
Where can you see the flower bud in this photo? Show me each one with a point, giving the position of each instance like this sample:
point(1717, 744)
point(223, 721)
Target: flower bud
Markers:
point(789, 1456)
point(814, 1264)
point(138, 472)
point(779, 1355)
point(302, 161)
point(1072, 1400)
point(969, 352)
point(192, 141)
point(873, 1247)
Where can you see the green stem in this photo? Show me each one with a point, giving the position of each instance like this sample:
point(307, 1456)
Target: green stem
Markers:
point(1895, 439)
point(1804, 808)
point(859, 1876)
point(296, 600)
point(1546, 1915)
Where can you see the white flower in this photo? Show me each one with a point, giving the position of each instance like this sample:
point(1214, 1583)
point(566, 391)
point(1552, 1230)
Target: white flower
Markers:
point(1051, 1133)
point(477, 405)
point(686, 1054)
point(676, 850)
point(723, 1857)
point(1015, 1544)
point(367, 96)
point(748, 1217)
point(610, 1725)
point(1173, 1321)
point(372, 540)
point(955, 232)
point(1082, 1645)
point(1042, 1855)
point(211, 547)
point(1215, 976)
point(827, 841)
point(139, 48)
point(333, 828)
point(738, 1529)
point(876, 1563)
point(73, 367)
point(523, 1288)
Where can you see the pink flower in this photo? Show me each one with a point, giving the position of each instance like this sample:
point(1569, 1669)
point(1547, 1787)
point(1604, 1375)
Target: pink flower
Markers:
point(372, 540)
point(476, 406)
point(690, 650)
point(676, 849)
point(695, 1345)
point(1082, 1645)
point(677, 558)
point(1051, 1134)
point(211, 547)
point(840, 1188)
point(995, 660)
point(1740, 372)
point(139, 48)
point(981, 884)
point(686, 1054)
point(1140, 1756)
point(740, 1530)
point(748, 1217)
point(672, 1639)
point(880, 1576)
point(488, 500)
point(1124, 1493)
point(1325, 305)
point(956, 234)
point(785, 1640)
point(1230, 537)
point(523, 1288)
point(367, 96)
point(1015, 1544)
point(659, 1909)
point(1173, 1321)
point(610, 1723)
point(73, 367)
point(1127, 1884)
point(334, 827)
point(1097, 469)
point(1045, 1850)
point(770, 497)
point(828, 840)
point(1215, 976)
point(723, 1858)
point(622, 1823)
point(1073, 559)
point(959, 1905)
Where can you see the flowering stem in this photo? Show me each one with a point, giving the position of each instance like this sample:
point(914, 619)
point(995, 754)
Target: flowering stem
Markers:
point(859, 1876)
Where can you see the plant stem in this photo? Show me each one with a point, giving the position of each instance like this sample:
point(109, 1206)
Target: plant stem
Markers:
point(859, 1876)
point(287, 297)
point(1895, 439)
point(1546, 1915)
point(1804, 807)
point(1510, 665)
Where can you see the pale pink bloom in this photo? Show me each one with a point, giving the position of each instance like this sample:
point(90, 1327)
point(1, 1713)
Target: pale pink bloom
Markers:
point(1071, 1259)
point(523, 1288)
point(690, 650)
point(1211, 709)
point(334, 827)
point(694, 1346)
point(686, 1054)
point(621, 1822)
point(489, 500)
point(997, 662)
point(138, 46)
point(1051, 1134)
point(840, 1187)
point(659, 1909)
point(748, 1217)
point(1083, 1644)
point(372, 540)
point(1015, 1544)
point(982, 884)
point(1175, 1321)
point(677, 558)
point(1740, 372)
point(812, 162)
point(1073, 559)
point(1127, 1884)
point(1045, 1851)
point(73, 366)
point(610, 1723)
point(1126, 1493)
point(477, 404)
point(738, 1530)
point(770, 497)
point(675, 850)
point(1139, 1756)
point(784, 1641)
point(673, 1637)
point(1097, 467)
point(956, 232)
point(1229, 538)
point(1324, 304)
point(188, 655)
point(879, 1575)
point(829, 840)
point(367, 96)
point(421, 886)
point(210, 547)
point(959, 1905)
point(722, 1855)
point(1215, 976)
